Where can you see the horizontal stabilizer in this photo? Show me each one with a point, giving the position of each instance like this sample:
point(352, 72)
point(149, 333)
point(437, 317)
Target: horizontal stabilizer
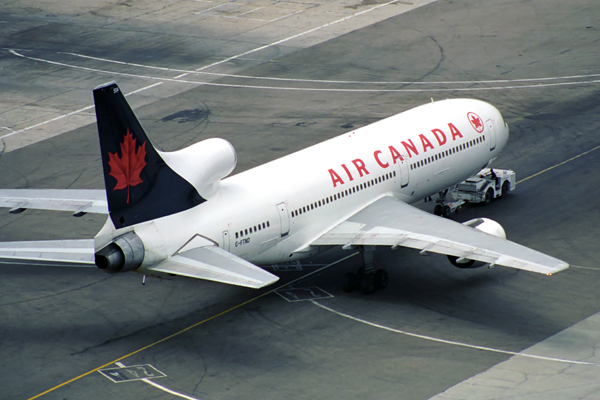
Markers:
point(215, 264)
point(77, 201)
point(64, 253)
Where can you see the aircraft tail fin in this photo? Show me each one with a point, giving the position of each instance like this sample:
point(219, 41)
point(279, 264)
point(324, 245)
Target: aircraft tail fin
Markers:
point(140, 186)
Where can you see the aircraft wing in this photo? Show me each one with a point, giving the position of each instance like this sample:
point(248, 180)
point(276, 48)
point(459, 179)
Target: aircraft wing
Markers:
point(215, 264)
point(391, 222)
point(69, 253)
point(78, 201)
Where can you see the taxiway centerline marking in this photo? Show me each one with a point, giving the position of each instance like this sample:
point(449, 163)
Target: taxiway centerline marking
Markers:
point(451, 342)
point(193, 326)
point(178, 79)
point(269, 78)
point(559, 164)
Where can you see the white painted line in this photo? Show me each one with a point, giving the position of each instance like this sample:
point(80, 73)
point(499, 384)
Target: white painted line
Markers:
point(294, 295)
point(68, 114)
point(150, 382)
point(248, 12)
point(212, 8)
point(216, 63)
point(164, 389)
point(47, 122)
point(341, 82)
point(452, 342)
point(286, 16)
point(178, 79)
point(278, 42)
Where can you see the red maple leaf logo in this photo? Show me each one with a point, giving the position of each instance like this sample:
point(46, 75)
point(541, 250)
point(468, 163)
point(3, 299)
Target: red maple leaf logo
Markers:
point(127, 168)
point(475, 121)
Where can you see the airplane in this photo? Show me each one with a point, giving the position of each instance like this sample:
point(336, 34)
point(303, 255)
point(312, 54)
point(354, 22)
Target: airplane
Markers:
point(178, 213)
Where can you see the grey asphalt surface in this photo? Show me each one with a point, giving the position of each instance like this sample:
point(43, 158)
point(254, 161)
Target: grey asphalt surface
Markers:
point(59, 324)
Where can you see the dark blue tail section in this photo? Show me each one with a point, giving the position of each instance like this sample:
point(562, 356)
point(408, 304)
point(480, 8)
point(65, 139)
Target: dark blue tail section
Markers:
point(140, 186)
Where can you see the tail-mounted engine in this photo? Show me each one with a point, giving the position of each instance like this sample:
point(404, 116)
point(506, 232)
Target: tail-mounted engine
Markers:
point(125, 253)
point(485, 225)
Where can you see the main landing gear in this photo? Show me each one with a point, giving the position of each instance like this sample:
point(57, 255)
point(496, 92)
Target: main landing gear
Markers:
point(442, 208)
point(366, 278)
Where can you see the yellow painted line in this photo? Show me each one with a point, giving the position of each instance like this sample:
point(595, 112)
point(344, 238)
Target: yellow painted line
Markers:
point(559, 164)
point(191, 327)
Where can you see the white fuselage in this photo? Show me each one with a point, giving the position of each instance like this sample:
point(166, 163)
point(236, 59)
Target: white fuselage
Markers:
point(271, 213)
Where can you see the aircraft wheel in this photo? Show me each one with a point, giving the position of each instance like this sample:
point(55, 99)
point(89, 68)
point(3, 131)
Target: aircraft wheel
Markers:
point(360, 272)
point(350, 282)
point(446, 211)
point(367, 284)
point(505, 189)
point(489, 196)
point(437, 210)
point(381, 279)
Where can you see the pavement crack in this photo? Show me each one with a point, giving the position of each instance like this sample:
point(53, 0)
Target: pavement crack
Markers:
point(57, 294)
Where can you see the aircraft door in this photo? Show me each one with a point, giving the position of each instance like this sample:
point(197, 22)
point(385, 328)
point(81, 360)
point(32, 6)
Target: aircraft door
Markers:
point(284, 217)
point(491, 133)
point(403, 171)
point(226, 242)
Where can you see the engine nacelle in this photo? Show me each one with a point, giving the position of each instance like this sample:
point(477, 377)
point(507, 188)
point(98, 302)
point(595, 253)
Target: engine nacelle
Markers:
point(485, 225)
point(203, 164)
point(125, 253)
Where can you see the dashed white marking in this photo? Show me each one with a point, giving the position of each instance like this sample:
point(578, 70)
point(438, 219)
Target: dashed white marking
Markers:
point(451, 342)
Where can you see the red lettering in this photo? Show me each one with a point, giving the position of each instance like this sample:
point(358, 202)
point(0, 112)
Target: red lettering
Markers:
point(425, 142)
point(410, 147)
point(335, 178)
point(360, 166)
point(382, 165)
point(347, 172)
point(395, 154)
point(437, 133)
point(455, 132)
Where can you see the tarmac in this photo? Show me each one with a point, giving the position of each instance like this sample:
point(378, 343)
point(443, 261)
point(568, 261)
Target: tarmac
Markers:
point(273, 78)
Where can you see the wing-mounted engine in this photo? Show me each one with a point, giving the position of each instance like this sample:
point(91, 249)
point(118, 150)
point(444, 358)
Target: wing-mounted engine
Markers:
point(485, 225)
point(124, 253)
point(203, 164)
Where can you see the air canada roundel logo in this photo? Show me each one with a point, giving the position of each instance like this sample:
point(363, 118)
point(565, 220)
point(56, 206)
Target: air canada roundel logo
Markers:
point(475, 121)
point(126, 168)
